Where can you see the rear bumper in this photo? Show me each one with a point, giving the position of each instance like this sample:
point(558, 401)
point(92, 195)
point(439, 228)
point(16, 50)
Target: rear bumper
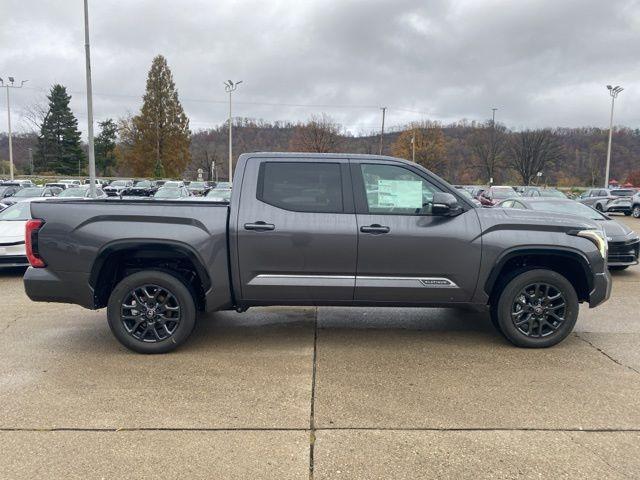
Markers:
point(43, 285)
point(601, 290)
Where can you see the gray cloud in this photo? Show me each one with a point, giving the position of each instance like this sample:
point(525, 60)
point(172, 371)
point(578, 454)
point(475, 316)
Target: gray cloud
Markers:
point(542, 63)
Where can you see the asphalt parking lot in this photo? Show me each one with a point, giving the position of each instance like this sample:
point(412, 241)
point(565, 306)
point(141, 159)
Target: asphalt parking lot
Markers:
point(290, 393)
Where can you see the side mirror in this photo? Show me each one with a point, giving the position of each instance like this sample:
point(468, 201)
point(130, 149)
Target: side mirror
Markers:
point(444, 203)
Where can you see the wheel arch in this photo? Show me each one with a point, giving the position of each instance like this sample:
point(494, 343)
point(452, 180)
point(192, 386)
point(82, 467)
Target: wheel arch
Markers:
point(121, 257)
point(569, 262)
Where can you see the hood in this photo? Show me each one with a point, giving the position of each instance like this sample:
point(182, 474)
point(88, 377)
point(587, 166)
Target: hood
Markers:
point(616, 231)
point(518, 219)
point(12, 231)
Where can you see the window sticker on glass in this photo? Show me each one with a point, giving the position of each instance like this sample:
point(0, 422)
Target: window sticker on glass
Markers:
point(400, 193)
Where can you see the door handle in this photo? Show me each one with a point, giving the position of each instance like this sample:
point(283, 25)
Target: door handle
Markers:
point(259, 226)
point(376, 229)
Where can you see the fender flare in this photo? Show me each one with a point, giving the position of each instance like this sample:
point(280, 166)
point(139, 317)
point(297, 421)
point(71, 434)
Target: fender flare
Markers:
point(168, 245)
point(566, 252)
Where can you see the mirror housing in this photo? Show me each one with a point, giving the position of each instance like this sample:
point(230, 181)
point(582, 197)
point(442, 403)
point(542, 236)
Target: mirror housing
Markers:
point(445, 203)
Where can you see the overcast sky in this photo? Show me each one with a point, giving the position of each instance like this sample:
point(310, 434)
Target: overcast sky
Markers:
point(541, 63)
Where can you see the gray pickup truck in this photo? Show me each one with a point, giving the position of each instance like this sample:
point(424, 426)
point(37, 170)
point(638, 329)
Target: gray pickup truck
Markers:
point(315, 229)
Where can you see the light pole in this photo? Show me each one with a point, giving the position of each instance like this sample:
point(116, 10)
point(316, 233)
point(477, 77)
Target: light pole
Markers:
point(92, 157)
point(613, 91)
point(9, 85)
point(230, 87)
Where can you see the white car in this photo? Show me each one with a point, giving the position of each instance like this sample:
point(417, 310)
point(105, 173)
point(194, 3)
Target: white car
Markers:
point(12, 226)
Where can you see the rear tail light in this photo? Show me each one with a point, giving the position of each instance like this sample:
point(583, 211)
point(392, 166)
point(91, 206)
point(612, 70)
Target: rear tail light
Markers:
point(31, 243)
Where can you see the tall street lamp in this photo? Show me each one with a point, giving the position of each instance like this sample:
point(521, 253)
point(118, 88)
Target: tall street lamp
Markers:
point(87, 52)
point(9, 85)
point(613, 91)
point(230, 87)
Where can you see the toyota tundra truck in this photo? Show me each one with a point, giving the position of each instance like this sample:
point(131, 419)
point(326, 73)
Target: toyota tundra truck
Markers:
point(315, 229)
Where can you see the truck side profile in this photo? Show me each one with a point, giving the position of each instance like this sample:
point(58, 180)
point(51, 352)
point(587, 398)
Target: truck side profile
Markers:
point(315, 229)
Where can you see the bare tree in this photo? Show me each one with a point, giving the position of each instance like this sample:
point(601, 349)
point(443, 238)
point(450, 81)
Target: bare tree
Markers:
point(320, 134)
point(532, 151)
point(488, 144)
point(34, 115)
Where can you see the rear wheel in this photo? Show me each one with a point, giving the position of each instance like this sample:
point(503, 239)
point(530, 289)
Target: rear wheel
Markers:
point(151, 312)
point(537, 309)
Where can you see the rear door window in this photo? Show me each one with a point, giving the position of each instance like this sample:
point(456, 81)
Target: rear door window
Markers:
point(301, 186)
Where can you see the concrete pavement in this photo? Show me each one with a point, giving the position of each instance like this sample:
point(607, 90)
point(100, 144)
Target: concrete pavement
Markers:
point(327, 393)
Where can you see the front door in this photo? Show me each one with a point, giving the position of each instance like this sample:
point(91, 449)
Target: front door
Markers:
point(297, 235)
point(406, 255)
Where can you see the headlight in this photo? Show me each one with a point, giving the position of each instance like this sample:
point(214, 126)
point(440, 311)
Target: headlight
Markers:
point(598, 238)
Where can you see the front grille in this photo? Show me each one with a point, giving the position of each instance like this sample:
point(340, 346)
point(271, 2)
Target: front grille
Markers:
point(623, 252)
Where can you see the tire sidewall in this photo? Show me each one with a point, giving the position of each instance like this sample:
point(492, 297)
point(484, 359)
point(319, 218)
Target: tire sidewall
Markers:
point(636, 211)
point(515, 286)
point(162, 279)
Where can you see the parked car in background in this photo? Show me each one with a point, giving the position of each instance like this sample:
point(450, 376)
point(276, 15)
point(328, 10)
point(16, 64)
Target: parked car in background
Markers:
point(8, 190)
point(71, 181)
point(198, 188)
point(174, 184)
point(19, 183)
point(468, 195)
point(12, 227)
point(115, 188)
point(172, 193)
point(32, 192)
point(543, 192)
point(141, 188)
point(493, 195)
point(219, 195)
point(81, 192)
point(61, 185)
point(598, 198)
point(223, 185)
point(623, 242)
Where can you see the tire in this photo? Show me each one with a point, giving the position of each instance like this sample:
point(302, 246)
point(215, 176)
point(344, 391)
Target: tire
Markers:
point(518, 303)
point(636, 211)
point(599, 207)
point(168, 317)
point(618, 268)
point(626, 214)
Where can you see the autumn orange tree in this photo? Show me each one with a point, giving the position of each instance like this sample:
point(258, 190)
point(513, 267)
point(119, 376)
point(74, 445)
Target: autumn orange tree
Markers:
point(156, 141)
point(430, 145)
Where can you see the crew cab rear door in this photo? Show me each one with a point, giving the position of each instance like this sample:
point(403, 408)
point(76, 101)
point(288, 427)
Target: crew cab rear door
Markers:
point(296, 231)
point(405, 257)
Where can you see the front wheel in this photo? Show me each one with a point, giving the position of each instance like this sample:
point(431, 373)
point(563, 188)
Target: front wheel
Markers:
point(537, 309)
point(151, 312)
point(599, 207)
point(636, 211)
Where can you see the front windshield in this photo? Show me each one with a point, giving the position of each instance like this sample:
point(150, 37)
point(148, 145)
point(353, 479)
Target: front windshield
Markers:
point(568, 208)
point(504, 193)
point(172, 184)
point(119, 183)
point(197, 185)
point(18, 211)
point(73, 192)
point(29, 192)
point(143, 184)
point(168, 193)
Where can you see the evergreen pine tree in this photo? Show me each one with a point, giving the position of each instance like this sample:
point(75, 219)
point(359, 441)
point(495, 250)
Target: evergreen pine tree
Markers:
point(105, 147)
point(161, 144)
point(59, 149)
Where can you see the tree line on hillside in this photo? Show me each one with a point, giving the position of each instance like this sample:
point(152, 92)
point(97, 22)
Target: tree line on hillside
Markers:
point(157, 142)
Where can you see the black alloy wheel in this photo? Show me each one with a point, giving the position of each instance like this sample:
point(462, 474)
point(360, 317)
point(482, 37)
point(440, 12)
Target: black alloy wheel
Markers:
point(539, 310)
point(150, 313)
